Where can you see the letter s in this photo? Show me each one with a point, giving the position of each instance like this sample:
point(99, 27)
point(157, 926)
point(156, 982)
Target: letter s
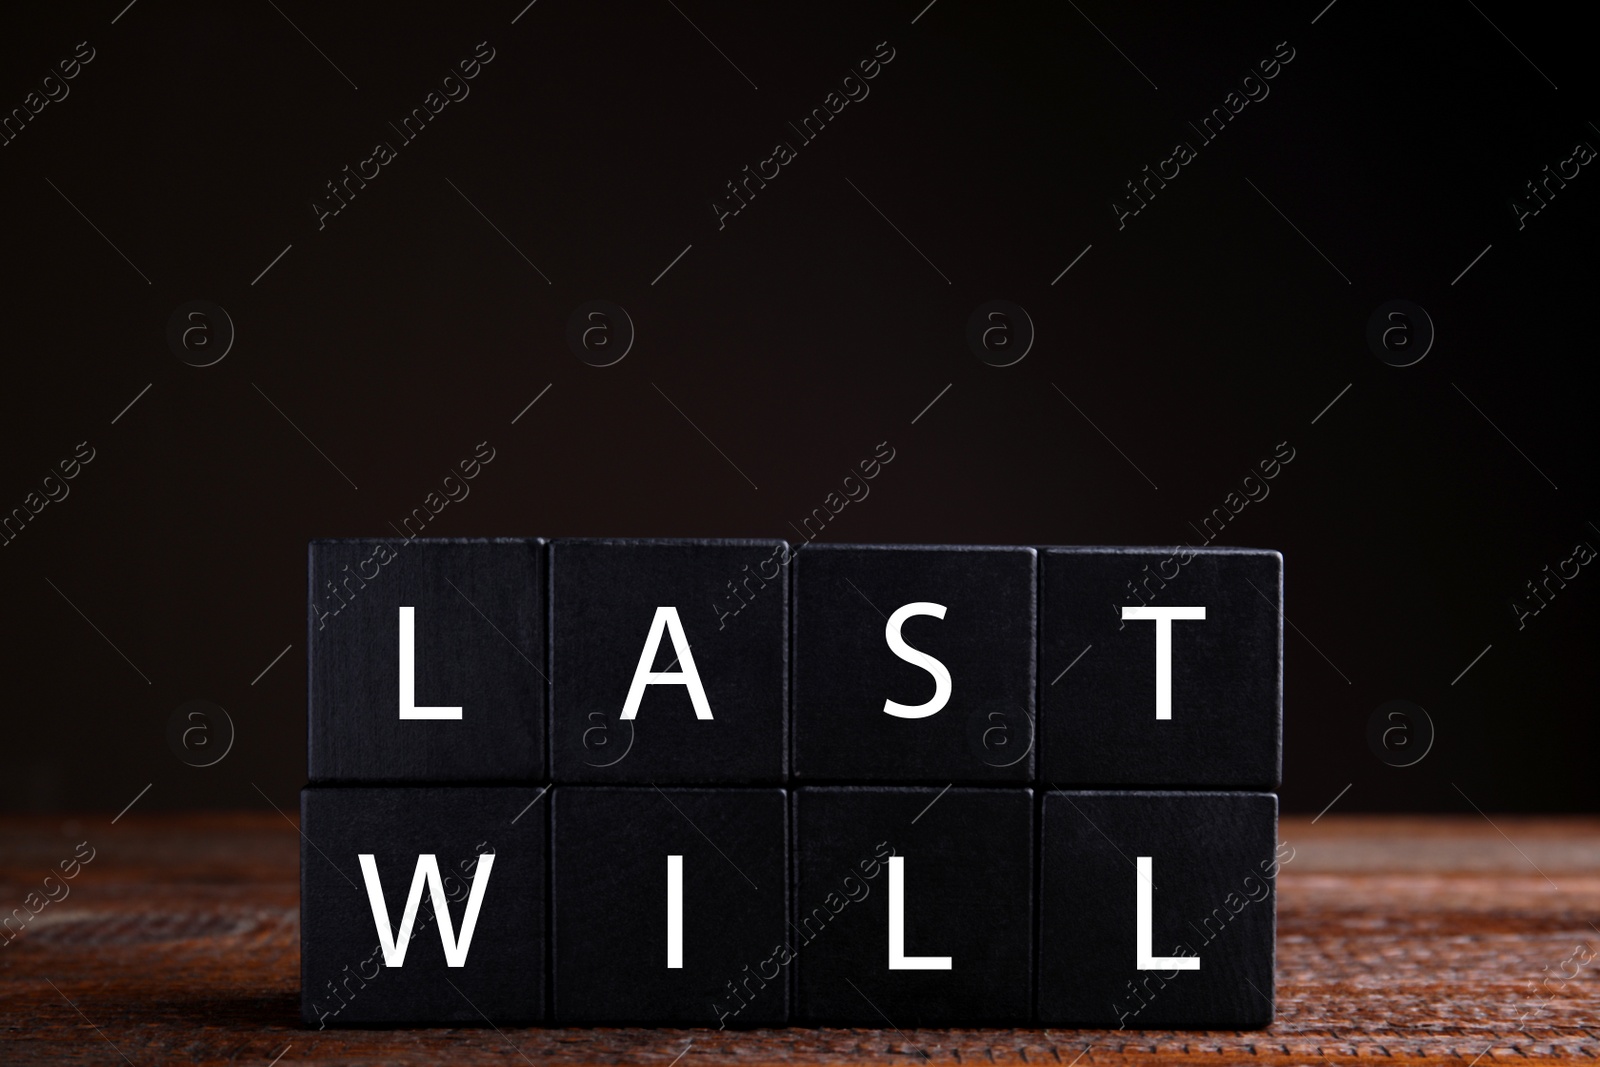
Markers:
point(897, 645)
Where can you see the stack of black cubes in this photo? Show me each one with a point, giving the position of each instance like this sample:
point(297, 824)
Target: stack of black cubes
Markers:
point(739, 784)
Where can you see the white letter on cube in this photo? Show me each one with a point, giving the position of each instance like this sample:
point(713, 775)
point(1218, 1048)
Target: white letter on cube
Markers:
point(675, 912)
point(1163, 619)
point(408, 673)
point(394, 944)
point(898, 960)
point(897, 645)
point(1144, 923)
point(666, 619)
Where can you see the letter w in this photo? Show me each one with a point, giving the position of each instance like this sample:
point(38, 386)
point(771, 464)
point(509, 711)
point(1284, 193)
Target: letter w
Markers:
point(395, 944)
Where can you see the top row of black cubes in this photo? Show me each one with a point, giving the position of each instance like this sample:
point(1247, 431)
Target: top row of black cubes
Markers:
point(853, 663)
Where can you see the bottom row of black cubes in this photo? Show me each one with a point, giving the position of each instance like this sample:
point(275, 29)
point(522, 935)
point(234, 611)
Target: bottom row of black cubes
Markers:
point(730, 907)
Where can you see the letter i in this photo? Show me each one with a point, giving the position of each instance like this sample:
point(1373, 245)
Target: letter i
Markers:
point(675, 912)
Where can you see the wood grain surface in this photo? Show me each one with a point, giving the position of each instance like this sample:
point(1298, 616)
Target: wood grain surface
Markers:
point(1401, 940)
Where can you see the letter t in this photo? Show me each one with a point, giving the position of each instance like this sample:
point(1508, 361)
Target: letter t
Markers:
point(1163, 619)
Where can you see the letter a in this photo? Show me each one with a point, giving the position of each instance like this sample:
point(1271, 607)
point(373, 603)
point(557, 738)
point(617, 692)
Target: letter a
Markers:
point(394, 944)
point(941, 674)
point(1163, 619)
point(1144, 923)
point(408, 673)
point(898, 960)
point(666, 618)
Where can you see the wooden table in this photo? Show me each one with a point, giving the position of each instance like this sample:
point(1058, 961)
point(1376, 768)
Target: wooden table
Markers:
point(1400, 940)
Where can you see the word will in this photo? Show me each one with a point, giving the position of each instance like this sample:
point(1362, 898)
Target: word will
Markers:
point(1568, 168)
point(1251, 89)
point(50, 89)
point(851, 88)
point(383, 153)
point(341, 593)
point(1552, 581)
point(55, 490)
point(34, 903)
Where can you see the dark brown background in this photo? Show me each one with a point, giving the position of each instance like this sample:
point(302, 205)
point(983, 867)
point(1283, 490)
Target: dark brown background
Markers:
point(800, 336)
